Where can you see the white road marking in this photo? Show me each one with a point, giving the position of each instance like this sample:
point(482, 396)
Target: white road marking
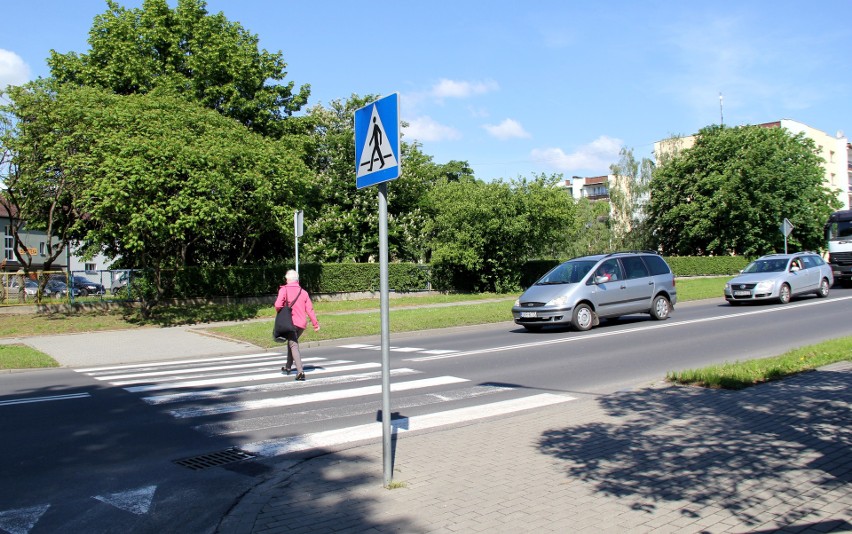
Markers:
point(321, 396)
point(179, 362)
point(45, 399)
point(196, 371)
point(22, 520)
point(332, 438)
point(272, 386)
point(137, 501)
point(237, 426)
point(243, 378)
point(362, 346)
point(596, 335)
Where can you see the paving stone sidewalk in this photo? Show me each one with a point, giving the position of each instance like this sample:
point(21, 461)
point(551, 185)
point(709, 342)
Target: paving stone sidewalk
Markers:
point(771, 458)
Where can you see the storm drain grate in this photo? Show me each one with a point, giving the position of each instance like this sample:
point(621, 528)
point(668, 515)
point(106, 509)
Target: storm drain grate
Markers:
point(213, 459)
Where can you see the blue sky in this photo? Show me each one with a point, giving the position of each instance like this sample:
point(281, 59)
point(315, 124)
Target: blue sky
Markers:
point(522, 88)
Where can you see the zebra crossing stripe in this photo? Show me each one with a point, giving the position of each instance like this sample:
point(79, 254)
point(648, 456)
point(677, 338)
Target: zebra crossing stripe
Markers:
point(332, 438)
point(320, 396)
point(362, 346)
point(142, 377)
point(178, 362)
point(242, 378)
point(251, 424)
point(200, 372)
point(271, 386)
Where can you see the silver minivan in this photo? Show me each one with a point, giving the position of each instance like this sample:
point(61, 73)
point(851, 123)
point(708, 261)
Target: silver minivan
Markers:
point(583, 290)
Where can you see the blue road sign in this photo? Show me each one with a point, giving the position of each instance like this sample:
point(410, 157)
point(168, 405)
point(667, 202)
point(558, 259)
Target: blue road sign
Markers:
point(377, 157)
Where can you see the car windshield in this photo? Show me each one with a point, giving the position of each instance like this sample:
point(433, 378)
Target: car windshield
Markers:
point(766, 266)
point(839, 230)
point(571, 272)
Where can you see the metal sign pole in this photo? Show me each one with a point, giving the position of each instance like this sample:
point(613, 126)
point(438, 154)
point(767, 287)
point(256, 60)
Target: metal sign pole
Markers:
point(387, 453)
point(297, 230)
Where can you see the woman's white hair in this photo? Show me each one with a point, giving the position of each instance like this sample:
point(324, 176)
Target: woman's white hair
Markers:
point(291, 276)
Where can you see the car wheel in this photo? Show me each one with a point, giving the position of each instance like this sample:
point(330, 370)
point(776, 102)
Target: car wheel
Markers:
point(83, 293)
point(531, 328)
point(824, 288)
point(583, 317)
point(660, 308)
point(784, 294)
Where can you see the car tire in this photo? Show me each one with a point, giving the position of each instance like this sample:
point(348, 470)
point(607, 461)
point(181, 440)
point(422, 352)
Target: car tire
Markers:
point(583, 317)
point(824, 288)
point(660, 308)
point(532, 328)
point(784, 294)
point(83, 293)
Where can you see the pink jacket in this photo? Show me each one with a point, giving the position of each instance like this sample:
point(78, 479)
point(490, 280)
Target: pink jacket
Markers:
point(302, 306)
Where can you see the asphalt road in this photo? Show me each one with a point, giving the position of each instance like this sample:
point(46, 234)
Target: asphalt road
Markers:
point(100, 448)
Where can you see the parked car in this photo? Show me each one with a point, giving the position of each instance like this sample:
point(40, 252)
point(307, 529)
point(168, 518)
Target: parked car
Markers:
point(30, 288)
point(58, 289)
point(780, 277)
point(120, 283)
point(583, 290)
point(82, 285)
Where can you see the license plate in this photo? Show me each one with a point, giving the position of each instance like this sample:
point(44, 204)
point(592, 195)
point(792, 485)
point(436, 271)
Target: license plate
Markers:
point(742, 293)
point(528, 315)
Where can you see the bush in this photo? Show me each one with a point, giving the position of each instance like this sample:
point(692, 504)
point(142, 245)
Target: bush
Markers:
point(706, 265)
point(210, 282)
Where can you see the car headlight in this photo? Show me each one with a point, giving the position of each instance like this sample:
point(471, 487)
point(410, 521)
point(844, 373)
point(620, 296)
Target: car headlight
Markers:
point(558, 301)
point(765, 287)
point(517, 302)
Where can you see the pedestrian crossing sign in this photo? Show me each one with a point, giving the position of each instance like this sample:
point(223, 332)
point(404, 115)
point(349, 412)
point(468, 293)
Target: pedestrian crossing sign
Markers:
point(377, 142)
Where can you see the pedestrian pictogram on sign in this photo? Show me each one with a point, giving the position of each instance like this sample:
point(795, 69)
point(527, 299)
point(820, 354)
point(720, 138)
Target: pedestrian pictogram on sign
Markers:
point(377, 141)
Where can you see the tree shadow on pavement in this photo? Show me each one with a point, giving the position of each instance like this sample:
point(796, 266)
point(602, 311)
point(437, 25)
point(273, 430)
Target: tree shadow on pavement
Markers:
point(778, 449)
point(332, 492)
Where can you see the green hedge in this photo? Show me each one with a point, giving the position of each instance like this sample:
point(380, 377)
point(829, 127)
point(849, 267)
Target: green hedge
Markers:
point(706, 265)
point(194, 282)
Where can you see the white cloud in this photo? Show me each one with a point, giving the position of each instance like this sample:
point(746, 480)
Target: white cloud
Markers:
point(13, 70)
point(426, 129)
point(508, 129)
point(596, 156)
point(461, 89)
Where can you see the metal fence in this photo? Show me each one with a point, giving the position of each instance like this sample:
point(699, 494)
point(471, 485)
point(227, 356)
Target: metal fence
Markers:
point(54, 287)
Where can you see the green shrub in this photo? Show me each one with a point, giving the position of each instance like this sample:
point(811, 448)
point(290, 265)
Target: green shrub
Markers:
point(706, 265)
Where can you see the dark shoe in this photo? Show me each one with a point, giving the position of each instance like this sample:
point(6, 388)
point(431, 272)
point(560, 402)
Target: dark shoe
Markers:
point(285, 371)
point(300, 377)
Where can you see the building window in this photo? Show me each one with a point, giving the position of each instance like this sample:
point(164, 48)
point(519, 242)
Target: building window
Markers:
point(90, 267)
point(41, 248)
point(8, 242)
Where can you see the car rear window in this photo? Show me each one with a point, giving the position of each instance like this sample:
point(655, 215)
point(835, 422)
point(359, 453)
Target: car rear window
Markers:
point(656, 265)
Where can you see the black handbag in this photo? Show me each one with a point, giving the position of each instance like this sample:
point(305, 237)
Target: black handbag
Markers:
point(284, 329)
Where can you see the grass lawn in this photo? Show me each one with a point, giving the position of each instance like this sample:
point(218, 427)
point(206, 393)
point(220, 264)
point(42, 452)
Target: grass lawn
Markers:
point(23, 357)
point(739, 375)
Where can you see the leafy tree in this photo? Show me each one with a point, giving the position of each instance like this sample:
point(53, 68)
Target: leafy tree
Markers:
point(729, 193)
point(341, 222)
point(590, 233)
point(37, 187)
point(158, 181)
point(628, 197)
point(188, 51)
point(484, 231)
